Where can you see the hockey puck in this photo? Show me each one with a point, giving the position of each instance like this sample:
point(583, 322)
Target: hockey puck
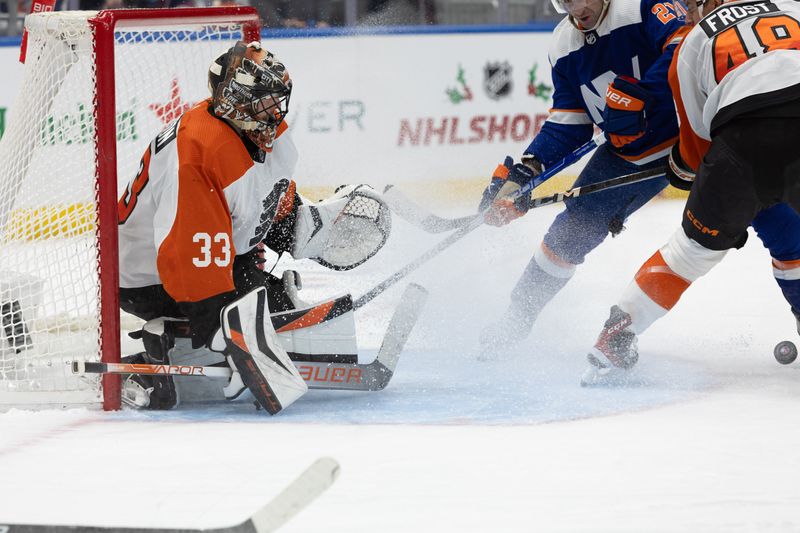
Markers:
point(785, 352)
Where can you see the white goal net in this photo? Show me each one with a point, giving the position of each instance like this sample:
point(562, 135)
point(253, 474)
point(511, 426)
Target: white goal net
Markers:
point(98, 86)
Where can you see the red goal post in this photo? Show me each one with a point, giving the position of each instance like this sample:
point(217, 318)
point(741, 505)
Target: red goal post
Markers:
point(97, 87)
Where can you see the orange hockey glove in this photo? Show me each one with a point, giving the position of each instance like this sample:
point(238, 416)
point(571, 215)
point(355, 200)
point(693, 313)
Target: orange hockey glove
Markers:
point(497, 204)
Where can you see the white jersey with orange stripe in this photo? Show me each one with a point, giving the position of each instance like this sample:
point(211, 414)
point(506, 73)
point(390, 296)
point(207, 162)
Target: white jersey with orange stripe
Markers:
point(740, 57)
point(198, 200)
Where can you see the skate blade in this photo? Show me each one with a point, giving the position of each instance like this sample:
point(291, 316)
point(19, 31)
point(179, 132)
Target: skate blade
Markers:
point(612, 377)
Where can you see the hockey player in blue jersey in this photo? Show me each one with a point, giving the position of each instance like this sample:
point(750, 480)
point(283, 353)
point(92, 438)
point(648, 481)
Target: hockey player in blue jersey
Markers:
point(609, 61)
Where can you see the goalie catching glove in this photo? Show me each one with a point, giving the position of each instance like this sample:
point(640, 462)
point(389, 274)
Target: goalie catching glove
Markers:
point(344, 230)
point(498, 202)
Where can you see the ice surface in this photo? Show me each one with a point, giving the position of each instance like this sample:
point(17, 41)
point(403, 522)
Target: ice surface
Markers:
point(706, 439)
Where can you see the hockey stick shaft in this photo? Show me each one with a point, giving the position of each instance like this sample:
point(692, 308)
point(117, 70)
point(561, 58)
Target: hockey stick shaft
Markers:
point(628, 179)
point(478, 220)
point(330, 376)
point(422, 218)
point(555, 168)
point(293, 499)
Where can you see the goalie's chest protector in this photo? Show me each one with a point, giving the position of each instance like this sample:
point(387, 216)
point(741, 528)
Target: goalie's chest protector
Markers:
point(198, 200)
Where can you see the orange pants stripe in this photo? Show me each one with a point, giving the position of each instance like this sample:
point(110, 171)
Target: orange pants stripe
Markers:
point(660, 283)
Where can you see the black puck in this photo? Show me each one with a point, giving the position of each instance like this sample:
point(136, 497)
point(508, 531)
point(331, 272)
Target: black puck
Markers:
point(785, 352)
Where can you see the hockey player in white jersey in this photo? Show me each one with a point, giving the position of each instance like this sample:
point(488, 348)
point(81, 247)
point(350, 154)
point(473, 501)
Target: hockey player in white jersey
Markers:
point(609, 63)
point(212, 190)
point(736, 84)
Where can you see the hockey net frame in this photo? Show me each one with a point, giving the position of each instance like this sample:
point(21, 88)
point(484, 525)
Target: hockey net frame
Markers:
point(100, 47)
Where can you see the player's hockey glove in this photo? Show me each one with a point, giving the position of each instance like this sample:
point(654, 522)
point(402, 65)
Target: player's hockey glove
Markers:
point(497, 202)
point(679, 174)
point(625, 115)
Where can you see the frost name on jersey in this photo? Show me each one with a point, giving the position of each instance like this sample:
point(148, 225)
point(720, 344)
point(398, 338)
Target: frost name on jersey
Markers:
point(724, 17)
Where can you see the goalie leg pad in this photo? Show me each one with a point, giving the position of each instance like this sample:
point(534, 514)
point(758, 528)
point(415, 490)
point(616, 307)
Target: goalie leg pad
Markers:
point(257, 354)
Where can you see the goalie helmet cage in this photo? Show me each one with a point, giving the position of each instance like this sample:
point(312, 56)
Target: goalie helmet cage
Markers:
point(97, 87)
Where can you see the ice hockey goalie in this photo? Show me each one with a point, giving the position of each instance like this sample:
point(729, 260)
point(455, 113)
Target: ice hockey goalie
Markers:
point(213, 189)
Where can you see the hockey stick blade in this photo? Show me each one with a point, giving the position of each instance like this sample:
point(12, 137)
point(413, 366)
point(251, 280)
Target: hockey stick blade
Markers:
point(299, 494)
point(302, 491)
point(372, 376)
point(376, 375)
point(417, 215)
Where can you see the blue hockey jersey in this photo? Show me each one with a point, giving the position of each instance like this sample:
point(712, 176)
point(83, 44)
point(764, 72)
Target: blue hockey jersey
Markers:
point(636, 38)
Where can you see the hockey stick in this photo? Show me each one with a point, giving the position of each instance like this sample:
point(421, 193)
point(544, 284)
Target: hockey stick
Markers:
point(478, 220)
point(372, 376)
point(417, 215)
point(300, 492)
point(420, 217)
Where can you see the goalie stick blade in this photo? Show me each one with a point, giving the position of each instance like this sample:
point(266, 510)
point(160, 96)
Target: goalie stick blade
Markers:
point(418, 216)
point(376, 375)
point(402, 322)
point(300, 492)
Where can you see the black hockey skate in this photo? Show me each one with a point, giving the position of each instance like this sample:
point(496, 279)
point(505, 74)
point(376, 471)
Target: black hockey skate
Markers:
point(614, 353)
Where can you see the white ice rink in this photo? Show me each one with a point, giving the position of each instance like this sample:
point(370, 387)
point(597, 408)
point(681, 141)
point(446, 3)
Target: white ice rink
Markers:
point(708, 439)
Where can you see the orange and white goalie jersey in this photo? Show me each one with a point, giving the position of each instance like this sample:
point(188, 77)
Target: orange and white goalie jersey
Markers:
point(198, 200)
point(740, 57)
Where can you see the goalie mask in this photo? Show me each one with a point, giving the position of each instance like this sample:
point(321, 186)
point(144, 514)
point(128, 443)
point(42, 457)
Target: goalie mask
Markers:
point(251, 89)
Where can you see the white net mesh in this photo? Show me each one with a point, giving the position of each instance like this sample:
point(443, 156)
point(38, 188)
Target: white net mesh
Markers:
point(49, 283)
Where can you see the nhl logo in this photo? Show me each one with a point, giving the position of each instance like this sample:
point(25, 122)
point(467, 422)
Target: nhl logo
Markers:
point(591, 37)
point(497, 82)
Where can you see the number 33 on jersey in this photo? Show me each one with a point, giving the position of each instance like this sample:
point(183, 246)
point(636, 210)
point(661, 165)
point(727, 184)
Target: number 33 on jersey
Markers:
point(201, 196)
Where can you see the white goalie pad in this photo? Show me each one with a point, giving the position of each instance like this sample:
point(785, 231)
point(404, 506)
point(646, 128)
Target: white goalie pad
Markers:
point(322, 332)
point(318, 330)
point(344, 230)
point(257, 353)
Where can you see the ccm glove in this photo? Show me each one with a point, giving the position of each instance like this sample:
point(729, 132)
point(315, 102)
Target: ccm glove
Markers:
point(625, 115)
point(679, 174)
point(497, 204)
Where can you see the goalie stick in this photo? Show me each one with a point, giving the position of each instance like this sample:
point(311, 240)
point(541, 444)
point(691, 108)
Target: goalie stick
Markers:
point(477, 220)
point(420, 217)
point(372, 376)
point(300, 492)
